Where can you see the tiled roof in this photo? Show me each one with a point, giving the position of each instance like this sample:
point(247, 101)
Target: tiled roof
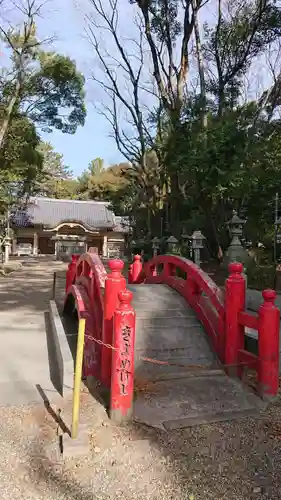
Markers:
point(50, 212)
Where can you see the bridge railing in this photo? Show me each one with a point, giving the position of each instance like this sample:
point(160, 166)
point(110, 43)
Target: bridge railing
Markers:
point(223, 315)
point(266, 322)
point(199, 290)
point(102, 300)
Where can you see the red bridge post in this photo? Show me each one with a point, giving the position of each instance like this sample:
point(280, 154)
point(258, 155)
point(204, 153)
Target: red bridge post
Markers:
point(135, 269)
point(268, 345)
point(71, 271)
point(235, 295)
point(122, 374)
point(114, 283)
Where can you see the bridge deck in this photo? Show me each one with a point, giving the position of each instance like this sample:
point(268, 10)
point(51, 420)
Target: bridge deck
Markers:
point(191, 388)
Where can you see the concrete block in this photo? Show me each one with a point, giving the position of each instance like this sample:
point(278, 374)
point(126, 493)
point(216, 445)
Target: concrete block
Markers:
point(74, 448)
point(61, 351)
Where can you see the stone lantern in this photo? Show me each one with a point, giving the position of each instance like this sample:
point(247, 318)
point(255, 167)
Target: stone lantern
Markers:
point(197, 245)
point(236, 225)
point(236, 252)
point(172, 244)
point(155, 245)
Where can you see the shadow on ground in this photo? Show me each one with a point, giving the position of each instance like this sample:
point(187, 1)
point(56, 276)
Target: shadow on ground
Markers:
point(229, 461)
point(233, 460)
point(29, 288)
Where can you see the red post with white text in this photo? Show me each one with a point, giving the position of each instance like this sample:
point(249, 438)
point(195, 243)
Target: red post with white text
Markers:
point(235, 297)
point(114, 283)
point(71, 271)
point(268, 345)
point(122, 373)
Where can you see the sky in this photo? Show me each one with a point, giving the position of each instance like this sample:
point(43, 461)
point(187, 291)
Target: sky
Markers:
point(64, 20)
point(92, 140)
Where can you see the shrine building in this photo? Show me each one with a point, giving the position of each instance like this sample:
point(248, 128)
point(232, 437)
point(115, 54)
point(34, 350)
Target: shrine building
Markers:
point(52, 226)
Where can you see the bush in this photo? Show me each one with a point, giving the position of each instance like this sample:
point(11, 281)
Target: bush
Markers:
point(261, 277)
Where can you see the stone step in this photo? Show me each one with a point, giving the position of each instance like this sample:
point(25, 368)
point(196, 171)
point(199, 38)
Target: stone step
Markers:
point(150, 372)
point(167, 313)
point(207, 371)
point(160, 337)
point(184, 355)
point(183, 402)
point(172, 350)
point(170, 322)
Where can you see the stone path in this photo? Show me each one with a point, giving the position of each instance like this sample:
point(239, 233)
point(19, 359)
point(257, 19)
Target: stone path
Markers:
point(25, 353)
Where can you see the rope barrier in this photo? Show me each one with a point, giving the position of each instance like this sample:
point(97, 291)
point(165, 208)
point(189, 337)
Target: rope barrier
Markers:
point(165, 362)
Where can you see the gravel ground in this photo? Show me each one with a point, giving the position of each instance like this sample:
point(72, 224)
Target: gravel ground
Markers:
point(227, 461)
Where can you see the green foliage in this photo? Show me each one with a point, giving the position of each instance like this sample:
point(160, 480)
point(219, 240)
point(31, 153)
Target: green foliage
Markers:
point(100, 183)
point(44, 86)
point(37, 89)
point(54, 86)
point(55, 179)
point(236, 40)
point(261, 277)
point(20, 161)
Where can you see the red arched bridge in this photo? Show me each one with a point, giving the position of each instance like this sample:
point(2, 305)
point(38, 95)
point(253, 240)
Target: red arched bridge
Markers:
point(168, 344)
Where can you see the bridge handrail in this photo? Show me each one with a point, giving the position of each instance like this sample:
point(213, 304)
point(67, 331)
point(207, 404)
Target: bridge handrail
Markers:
point(199, 290)
point(95, 293)
point(85, 281)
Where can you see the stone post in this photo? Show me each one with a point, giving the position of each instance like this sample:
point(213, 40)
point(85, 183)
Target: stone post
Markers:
point(7, 246)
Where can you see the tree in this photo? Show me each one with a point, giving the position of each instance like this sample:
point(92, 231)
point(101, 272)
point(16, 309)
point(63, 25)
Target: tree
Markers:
point(55, 179)
point(39, 84)
point(128, 97)
point(100, 183)
point(207, 147)
point(20, 161)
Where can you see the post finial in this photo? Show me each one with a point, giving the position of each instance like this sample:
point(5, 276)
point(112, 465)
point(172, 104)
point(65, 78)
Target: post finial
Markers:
point(235, 268)
point(116, 266)
point(125, 297)
point(269, 295)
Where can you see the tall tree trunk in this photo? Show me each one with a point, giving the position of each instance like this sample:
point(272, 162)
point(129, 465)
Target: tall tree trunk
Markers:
point(212, 231)
point(201, 70)
point(9, 111)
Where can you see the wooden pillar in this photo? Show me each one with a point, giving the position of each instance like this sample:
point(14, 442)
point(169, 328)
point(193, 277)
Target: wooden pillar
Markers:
point(235, 293)
point(14, 246)
point(104, 247)
point(268, 345)
point(35, 244)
